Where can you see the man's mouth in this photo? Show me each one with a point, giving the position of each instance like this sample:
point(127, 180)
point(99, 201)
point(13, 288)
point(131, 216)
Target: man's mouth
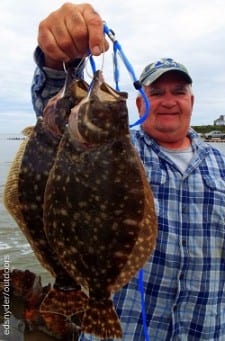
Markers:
point(167, 113)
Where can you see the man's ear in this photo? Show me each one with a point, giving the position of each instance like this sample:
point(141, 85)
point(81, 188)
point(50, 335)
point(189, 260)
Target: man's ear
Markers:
point(140, 105)
point(192, 100)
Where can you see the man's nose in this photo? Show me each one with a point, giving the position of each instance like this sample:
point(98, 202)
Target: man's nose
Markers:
point(168, 100)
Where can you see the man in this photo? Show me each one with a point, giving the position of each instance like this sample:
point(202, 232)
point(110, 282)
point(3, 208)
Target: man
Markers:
point(184, 280)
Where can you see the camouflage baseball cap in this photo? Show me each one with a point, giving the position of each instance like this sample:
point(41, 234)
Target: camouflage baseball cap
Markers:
point(154, 70)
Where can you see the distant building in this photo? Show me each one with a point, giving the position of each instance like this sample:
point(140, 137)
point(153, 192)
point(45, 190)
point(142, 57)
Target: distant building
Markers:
point(220, 121)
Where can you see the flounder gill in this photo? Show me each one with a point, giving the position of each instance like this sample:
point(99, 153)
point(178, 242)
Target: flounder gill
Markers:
point(26, 181)
point(98, 208)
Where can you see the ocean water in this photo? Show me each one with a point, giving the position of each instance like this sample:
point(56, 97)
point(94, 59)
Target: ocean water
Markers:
point(13, 244)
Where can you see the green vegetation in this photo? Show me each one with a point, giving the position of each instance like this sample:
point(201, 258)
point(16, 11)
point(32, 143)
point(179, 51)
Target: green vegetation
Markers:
point(208, 128)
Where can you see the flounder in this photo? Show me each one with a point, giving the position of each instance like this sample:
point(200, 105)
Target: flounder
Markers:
point(25, 185)
point(98, 207)
point(26, 181)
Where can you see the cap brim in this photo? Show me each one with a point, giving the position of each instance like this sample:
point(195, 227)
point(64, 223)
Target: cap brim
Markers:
point(158, 73)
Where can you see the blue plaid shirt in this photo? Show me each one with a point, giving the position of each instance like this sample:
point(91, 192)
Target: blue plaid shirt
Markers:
point(184, 280)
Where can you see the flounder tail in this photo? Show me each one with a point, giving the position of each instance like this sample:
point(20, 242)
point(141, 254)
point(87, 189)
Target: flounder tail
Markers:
point(63, 309)
point(101, 320)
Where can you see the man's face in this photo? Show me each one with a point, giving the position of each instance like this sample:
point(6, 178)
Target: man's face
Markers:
point(171, 104)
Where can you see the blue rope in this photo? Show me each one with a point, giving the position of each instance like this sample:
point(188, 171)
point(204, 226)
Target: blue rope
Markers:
point(141, 289)
point(118, 49)
point(116, 68)
point(92, 62)
point(147, 109)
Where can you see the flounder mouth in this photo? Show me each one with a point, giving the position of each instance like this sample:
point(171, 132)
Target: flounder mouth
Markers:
point(103, 91)
point(73, 127)
point(73, 124)
point(89, 121)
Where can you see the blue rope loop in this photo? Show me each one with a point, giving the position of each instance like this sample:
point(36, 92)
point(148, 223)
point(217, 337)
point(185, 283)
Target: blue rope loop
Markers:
point(143, 310)
point(116, 68)
point(92, 62)
point(117, 49)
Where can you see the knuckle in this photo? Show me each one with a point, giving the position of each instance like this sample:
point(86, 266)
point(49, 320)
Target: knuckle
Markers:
point(95, 20)
point(67, 6)
point(65, 44)
point(42, 25)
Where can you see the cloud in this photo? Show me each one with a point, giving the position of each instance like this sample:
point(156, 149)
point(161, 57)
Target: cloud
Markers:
point(192, 32)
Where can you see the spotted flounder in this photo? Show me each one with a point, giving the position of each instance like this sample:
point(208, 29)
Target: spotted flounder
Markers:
point(25, 184)
point(26, 181)
point(98, 208)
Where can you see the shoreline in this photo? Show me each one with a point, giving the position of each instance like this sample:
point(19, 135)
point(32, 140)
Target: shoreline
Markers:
point(217, 139)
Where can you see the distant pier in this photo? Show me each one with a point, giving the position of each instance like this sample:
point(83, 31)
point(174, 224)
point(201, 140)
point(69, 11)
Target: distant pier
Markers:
point(12, 137)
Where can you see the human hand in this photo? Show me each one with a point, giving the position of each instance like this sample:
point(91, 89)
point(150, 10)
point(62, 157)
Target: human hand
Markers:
point(69, 33)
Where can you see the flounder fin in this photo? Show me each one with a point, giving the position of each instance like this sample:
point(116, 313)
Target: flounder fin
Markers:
point(101, 320)
point(11, 195)
point(28, 131)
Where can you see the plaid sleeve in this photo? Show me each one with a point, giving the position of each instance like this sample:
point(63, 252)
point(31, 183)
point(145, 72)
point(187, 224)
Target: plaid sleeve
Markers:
point(47, 82)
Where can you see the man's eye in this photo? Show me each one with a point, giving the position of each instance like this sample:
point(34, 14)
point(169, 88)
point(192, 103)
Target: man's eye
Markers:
point(180, 92)
point(155, 93)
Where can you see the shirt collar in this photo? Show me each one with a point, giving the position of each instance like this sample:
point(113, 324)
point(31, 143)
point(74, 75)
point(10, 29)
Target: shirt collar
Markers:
point(197, 143)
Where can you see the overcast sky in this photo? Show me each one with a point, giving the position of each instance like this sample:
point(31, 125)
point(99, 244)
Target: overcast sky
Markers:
point(192, 32)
